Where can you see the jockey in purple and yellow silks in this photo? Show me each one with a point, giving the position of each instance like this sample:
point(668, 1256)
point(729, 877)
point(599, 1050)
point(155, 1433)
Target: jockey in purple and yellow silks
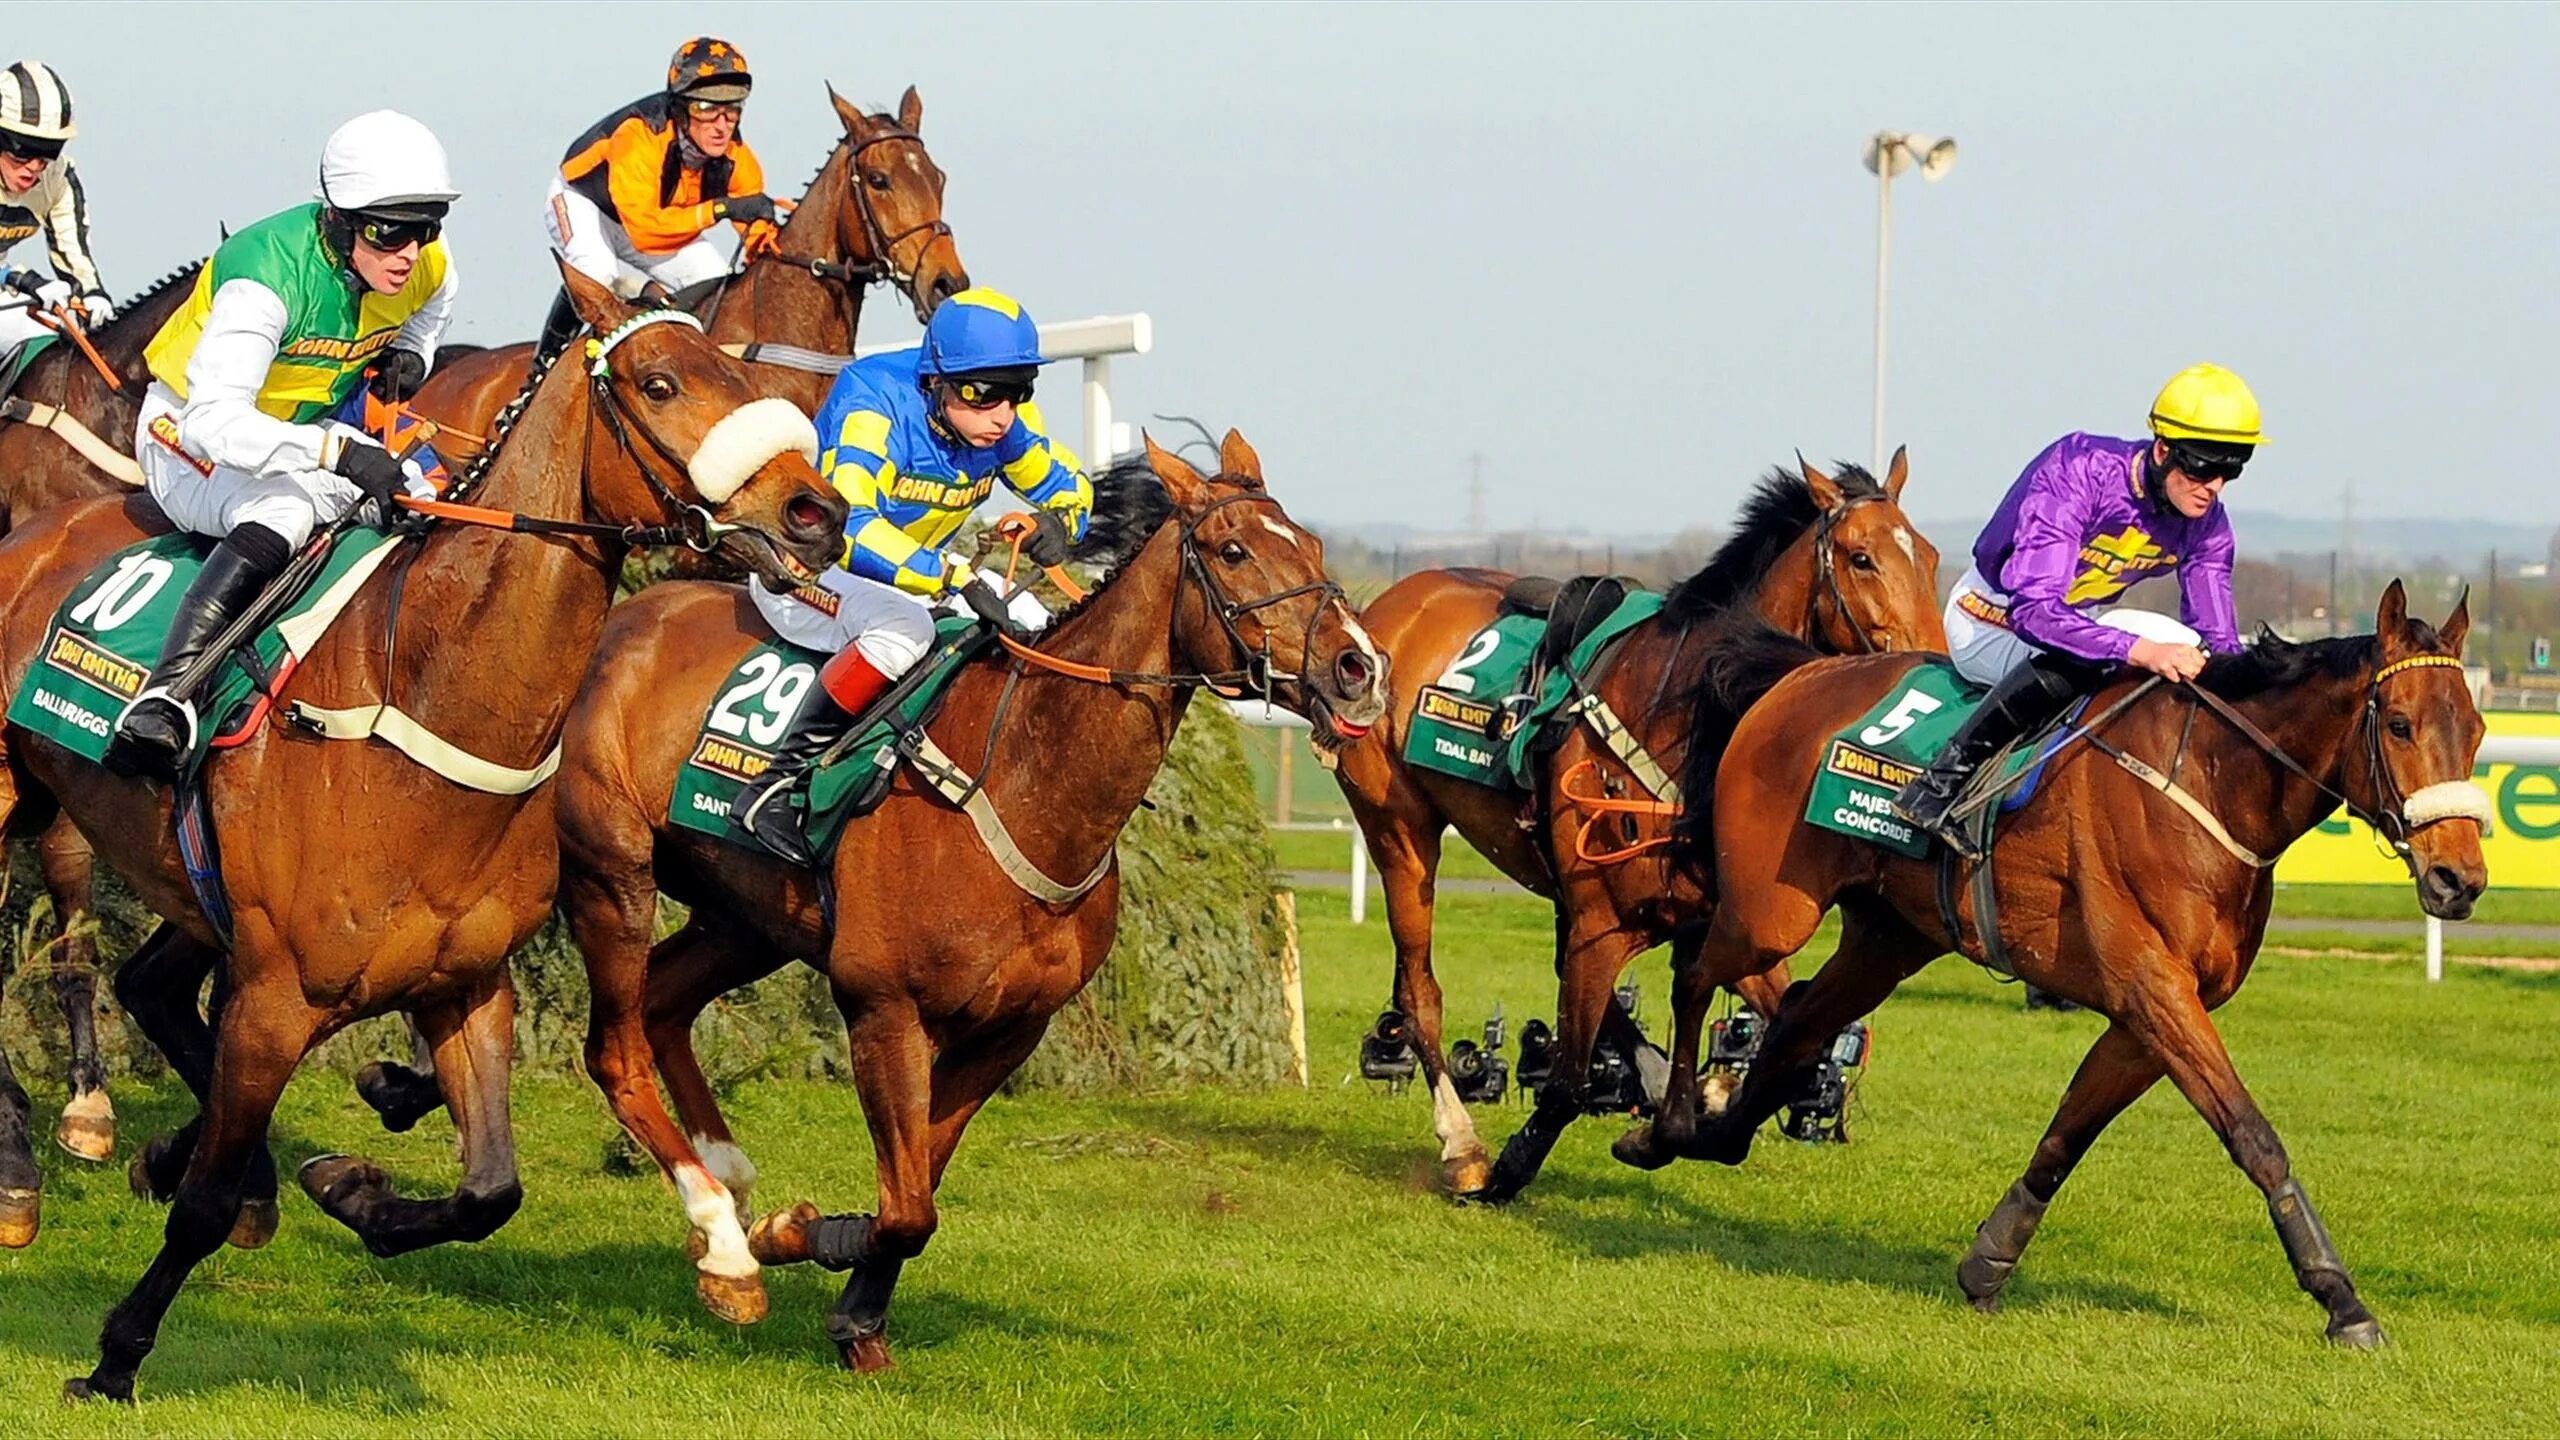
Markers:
point(914, 440)
point(2090, 518)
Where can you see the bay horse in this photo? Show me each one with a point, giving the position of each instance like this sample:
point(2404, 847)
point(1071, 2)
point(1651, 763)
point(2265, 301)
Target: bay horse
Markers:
point(872, 215)
point(362, 883)
point(39, 469)
point(2136, 883)
point(946, 985)
point(1831, 560)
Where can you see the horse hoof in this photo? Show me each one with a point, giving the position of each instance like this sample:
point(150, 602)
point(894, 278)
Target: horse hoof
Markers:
point(88, 1128)
point(333, 1181)
point(254, 1226)
point(738, 1299)
point(782, 1237)
point(1466, 1174)
point(90, 1387)
point(399, 1096)
point(868, 1355)
point(1637, 1148)
point(2364, 1334)
point(19, 1218)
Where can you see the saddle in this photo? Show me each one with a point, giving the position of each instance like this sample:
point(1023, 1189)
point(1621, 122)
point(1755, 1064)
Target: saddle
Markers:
point(13, 368)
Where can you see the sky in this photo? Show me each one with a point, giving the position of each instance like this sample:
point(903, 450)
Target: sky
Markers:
point(1625, 253)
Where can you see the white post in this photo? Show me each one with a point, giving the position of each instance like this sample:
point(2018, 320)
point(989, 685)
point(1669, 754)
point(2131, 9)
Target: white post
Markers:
point(1097, 411)
point(1359, 880)
point(2435, 949)
point(1884, 243)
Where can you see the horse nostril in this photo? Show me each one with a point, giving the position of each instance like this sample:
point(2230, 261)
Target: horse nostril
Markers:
point(1354, 672)
point(805, 515)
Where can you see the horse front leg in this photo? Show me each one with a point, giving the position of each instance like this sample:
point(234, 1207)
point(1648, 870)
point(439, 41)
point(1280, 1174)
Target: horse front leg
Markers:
point(687, 971)
point(1591, 950)
point(158, 985)
point(402, 1095)
point(88, 1126)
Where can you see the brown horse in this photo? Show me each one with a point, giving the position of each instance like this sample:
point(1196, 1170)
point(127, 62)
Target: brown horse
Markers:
point(39, 469)
point(945, 987)
point(2137, 883)
point(872, 215)
point(1831, 561)
point(361, 882)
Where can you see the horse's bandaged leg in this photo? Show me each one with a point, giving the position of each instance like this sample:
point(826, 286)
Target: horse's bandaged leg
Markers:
point(2002, 1238)
point(715, 1216)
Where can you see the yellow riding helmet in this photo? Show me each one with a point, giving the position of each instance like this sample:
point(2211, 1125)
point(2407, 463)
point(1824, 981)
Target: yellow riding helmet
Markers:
point(2207, 402)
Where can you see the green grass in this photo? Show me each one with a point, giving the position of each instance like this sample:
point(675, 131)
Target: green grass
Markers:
point(1276, 1263)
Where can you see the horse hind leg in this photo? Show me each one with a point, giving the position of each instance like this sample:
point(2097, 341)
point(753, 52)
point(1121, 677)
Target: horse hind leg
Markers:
point(158, 985)
point(21, 1183)
point(88, 1126)
point(687, 971)
point(473, 1042)
point(1407, 854)
point(2116, 1072)
point(402, 1095)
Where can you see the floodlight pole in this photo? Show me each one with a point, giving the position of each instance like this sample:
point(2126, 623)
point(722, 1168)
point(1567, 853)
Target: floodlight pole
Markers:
point(1884, 250)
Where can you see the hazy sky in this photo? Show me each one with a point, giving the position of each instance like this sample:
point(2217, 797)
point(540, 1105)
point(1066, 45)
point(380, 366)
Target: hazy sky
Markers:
point(1627, 253)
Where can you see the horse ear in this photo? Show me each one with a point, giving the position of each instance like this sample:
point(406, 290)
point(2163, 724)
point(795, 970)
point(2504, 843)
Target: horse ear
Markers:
point(1237, 458)
point(1184, 484)
point(911, 109)
point(1826, 491)
point(846, 111)
point(2391, 621)
point(1897, 473)
point(2458, 624)
point(598, 306)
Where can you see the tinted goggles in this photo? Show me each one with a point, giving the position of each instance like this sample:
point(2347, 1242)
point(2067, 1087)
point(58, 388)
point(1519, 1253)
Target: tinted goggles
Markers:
point(384, 233)
point(981, 394)
point(28, 147)
point(706, 109)
point(2205, 465)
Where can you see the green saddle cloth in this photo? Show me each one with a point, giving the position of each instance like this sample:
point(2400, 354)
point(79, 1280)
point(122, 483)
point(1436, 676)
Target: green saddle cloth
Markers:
point(1867, 764)
point(756, 707)
point(106, 637)
point(1478, 721)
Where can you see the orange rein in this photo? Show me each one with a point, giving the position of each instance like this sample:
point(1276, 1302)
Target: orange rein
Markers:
point(1603, 805)
point(1018, 528)
point(59, 321)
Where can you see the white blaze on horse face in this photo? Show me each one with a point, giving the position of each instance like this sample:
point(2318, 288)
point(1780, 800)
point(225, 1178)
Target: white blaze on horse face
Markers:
point(708, 1205)
point(1902, 537)
point(744, 441)
point(1283, 531)
point(1456, 1127)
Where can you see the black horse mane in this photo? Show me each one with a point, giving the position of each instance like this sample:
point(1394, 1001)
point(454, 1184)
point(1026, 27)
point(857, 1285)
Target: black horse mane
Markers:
point(1780, 509)
point(2274, 663)
point(185, 273)
point(1129, 506)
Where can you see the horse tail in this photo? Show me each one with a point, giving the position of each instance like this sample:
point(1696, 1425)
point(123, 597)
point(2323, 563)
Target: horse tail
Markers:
point(1743, 660)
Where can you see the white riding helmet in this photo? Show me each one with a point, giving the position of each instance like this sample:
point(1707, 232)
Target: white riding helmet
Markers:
point(384, 160)
point(34, 102)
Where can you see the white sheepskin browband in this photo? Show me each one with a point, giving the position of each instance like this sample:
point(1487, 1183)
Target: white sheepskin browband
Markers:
point(2446, 800)
point(744, 440)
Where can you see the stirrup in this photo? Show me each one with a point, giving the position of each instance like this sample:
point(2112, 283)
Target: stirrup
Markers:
point(131, 753)
point(788, 835)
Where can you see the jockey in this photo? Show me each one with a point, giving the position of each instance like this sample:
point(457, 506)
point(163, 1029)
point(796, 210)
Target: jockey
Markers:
point(914, 439)
point(2089, 518)
point(40, 189)
point(246, 431)
point(636, 197)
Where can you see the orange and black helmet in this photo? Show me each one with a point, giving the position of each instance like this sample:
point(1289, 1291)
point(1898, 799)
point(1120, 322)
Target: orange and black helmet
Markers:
point(708, 69)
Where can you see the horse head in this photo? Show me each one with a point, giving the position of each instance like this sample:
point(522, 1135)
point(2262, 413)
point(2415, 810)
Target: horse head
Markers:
point(891, 220)
point(1255, 597)
point(1875, 576)
point(711, 454)
point(2420, 736)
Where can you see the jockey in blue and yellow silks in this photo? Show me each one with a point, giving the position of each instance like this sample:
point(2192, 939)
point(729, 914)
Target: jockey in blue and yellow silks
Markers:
point(914, 440)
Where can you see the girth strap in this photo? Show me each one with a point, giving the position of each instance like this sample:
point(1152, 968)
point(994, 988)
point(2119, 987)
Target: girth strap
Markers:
point(955, 785)
point(403, 733)
point(1604, 723)
point(116, 465)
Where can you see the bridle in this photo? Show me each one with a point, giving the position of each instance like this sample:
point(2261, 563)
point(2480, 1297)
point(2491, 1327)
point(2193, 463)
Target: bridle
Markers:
point(1829, 573)
point(882, 268)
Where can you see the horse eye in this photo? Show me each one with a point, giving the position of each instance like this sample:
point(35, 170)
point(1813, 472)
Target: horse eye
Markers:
point(1232, 553)
point(876, 180)
point(658, 387)
point(1861, 560)
point(2400, 727)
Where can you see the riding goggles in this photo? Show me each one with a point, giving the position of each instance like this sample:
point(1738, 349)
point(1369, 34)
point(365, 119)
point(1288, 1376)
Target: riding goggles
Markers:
point(28, 147)
point(706, 109)
point(983, 394)
point(383, 233)
point(2206, 465)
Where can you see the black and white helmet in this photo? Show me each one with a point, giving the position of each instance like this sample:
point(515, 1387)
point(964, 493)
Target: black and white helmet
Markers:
point(35, 105)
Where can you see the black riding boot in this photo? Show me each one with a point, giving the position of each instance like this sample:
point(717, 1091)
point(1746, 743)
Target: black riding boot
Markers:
point(558, 328)
point(158, 729)
point(2025, 698)
point(764, 807)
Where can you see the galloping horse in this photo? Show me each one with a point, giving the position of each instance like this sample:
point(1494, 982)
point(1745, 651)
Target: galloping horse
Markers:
point(1832, 561)
point(360, 882)
point(945, 987)
point(2137, 884)
point(42, 466)
point(873, 214)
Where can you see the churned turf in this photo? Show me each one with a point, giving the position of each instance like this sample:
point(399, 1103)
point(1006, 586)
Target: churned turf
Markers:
point(1276, 1263)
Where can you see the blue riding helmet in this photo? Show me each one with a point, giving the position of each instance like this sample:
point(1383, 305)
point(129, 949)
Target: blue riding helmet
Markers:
point(976, 331)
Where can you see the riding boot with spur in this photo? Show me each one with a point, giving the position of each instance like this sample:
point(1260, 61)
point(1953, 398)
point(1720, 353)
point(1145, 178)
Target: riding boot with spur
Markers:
point(159, 728)
point(772, 808)
point(2027, 697)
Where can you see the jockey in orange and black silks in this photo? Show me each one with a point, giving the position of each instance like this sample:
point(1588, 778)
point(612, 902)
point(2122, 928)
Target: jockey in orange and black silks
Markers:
point(2090, 518)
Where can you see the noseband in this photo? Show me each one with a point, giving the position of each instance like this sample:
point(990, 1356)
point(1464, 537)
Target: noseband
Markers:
point(883, 265)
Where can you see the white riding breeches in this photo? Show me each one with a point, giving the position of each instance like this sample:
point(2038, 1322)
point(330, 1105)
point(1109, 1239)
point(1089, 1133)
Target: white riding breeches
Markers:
point(598, 248)
point(1985, 650)
point(212, 499)
point(891, 628)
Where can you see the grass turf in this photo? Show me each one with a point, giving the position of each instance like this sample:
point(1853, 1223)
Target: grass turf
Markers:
point(1275, 1263)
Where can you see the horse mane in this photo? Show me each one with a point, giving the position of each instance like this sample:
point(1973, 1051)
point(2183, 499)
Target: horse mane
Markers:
point(1742, 658)
point(1129, 506)
point(186, 272)
point(508, 414)
point(1780, 509)
point(2273, 663)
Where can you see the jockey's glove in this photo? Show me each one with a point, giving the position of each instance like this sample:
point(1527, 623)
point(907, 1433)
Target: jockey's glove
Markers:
point(398, 375)
point(371, 469)
point(749, 208)
point(1050, 543)
point(989, 606)
point(98, 308)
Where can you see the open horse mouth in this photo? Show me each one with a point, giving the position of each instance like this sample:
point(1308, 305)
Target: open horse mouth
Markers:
point(775, 566)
